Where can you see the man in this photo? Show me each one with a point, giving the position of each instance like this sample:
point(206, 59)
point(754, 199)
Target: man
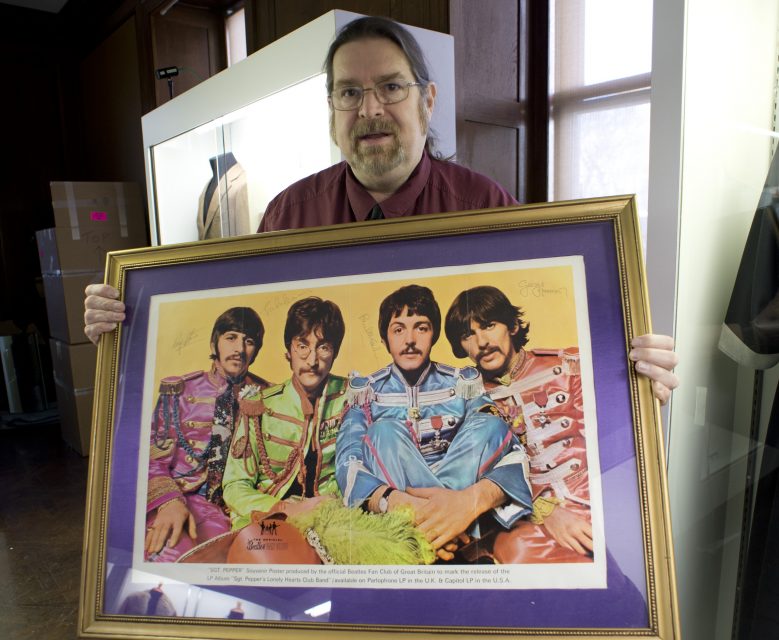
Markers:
point(423, 433)
point(284, 447)
point(381, 99)
point(539, 395)
point(191, 434)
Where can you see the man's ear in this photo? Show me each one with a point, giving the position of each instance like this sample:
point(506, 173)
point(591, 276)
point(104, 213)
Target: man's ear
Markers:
point(514, 329)
point(430, 98)
point(287, 356)
point(332, 126)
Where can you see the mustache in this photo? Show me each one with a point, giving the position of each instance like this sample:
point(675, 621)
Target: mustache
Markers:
point(486, 352)
point(410, 351)
point(373, 125)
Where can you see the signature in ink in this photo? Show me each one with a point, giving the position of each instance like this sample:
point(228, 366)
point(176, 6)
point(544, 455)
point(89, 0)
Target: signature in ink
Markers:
point(183, 340)
point(528, 288)
point(370, 333)
point(283, 300)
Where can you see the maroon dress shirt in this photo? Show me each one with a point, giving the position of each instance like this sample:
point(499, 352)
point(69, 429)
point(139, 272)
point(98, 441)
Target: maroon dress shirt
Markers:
point(335, 196)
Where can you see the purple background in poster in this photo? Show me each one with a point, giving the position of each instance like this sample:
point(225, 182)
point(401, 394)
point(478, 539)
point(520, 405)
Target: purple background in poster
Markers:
point(621, 605)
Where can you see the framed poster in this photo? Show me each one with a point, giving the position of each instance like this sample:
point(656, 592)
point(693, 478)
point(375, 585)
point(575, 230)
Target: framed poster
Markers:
point(479, 457)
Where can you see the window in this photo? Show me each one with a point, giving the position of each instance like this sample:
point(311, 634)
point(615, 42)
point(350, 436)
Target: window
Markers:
point(235, 36)
point(599, 86)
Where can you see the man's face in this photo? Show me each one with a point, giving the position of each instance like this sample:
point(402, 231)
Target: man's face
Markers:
point(489, 345)
point(311, 358)
point(378, 140)
point(409, 340)
point(234, 351)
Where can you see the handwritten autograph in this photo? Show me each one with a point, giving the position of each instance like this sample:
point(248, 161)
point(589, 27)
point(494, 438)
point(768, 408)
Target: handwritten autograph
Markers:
point(183, 340)
point(373, 340)
point(528, 288)
point(283, 300)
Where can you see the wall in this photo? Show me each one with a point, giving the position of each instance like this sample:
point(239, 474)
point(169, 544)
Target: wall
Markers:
point(32, 152)
point(111, 109)
point(709, 157)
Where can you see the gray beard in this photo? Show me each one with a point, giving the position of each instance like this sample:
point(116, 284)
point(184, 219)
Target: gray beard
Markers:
point(378, 161)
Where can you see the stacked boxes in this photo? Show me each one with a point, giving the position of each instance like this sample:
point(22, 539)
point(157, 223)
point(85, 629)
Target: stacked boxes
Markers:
point(91, 219)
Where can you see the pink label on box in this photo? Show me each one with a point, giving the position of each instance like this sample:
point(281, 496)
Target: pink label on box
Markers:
point(98, 215)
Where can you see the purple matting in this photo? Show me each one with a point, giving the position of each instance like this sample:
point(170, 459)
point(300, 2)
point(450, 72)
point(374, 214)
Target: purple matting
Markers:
point(621, 605)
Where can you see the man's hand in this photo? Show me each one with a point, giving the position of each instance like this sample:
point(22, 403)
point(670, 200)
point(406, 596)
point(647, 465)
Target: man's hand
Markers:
point(655, 358)
point(169, 525)
point(448, 513)
point(569, 530)
point(297, 507)
point(398, 498)
point(102, 310)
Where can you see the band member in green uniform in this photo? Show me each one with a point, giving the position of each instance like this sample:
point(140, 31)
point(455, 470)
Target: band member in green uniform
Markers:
point(282, 457)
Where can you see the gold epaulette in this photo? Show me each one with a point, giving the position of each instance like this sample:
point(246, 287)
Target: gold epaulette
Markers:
point(174, 385)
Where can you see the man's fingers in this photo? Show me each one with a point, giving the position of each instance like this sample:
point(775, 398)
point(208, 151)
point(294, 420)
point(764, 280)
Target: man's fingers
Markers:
point(661, 392)
point(93, 316)
point(653, 341)
point(659, 357)
point(94, 331)
point(158, 536)
point(445, 555)
point(575, 546)
point(192, 528)
point(102, 290)
point(433, 533)
point(584, 540)
point(666, 378)
point(440, 541)
point(175, 536)
point(99, 303)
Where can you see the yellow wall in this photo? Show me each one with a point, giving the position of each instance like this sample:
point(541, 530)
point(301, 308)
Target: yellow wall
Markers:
point(545, 294)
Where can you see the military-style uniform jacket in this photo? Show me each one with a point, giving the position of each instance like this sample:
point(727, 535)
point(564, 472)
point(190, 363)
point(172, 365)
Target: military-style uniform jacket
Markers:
point(541, 397)
point(187, 437)
point(433, 416)
point(282, 439)
point(542, 400)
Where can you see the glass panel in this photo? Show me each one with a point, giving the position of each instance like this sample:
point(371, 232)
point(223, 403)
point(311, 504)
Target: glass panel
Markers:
point(601, 153)
point(617, 38)
point(216, 181)
point(599, 149)
point(599, 40)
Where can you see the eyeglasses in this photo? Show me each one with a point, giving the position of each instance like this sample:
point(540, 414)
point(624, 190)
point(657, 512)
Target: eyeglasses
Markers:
point(323, 350)
point(390, 92)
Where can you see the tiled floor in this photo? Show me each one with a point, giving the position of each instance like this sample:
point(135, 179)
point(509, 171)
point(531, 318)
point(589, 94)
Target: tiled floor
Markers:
point(43, 484)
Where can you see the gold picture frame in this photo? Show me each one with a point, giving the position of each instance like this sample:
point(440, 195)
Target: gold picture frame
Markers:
point(576, 270)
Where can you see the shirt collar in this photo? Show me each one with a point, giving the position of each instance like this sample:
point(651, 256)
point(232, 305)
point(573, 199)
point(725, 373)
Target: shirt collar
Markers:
point(399, 374)
point(399, 203)
point(516, 364)
point(306, 406)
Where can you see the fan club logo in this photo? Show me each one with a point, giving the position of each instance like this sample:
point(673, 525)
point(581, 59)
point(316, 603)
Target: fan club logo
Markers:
point(269, 538)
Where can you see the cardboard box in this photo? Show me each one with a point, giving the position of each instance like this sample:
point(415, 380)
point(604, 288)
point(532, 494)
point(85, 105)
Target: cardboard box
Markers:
point(73, 364)
point(65, 304)
point(75, 409)
point(60, 253)
point(84, 208)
